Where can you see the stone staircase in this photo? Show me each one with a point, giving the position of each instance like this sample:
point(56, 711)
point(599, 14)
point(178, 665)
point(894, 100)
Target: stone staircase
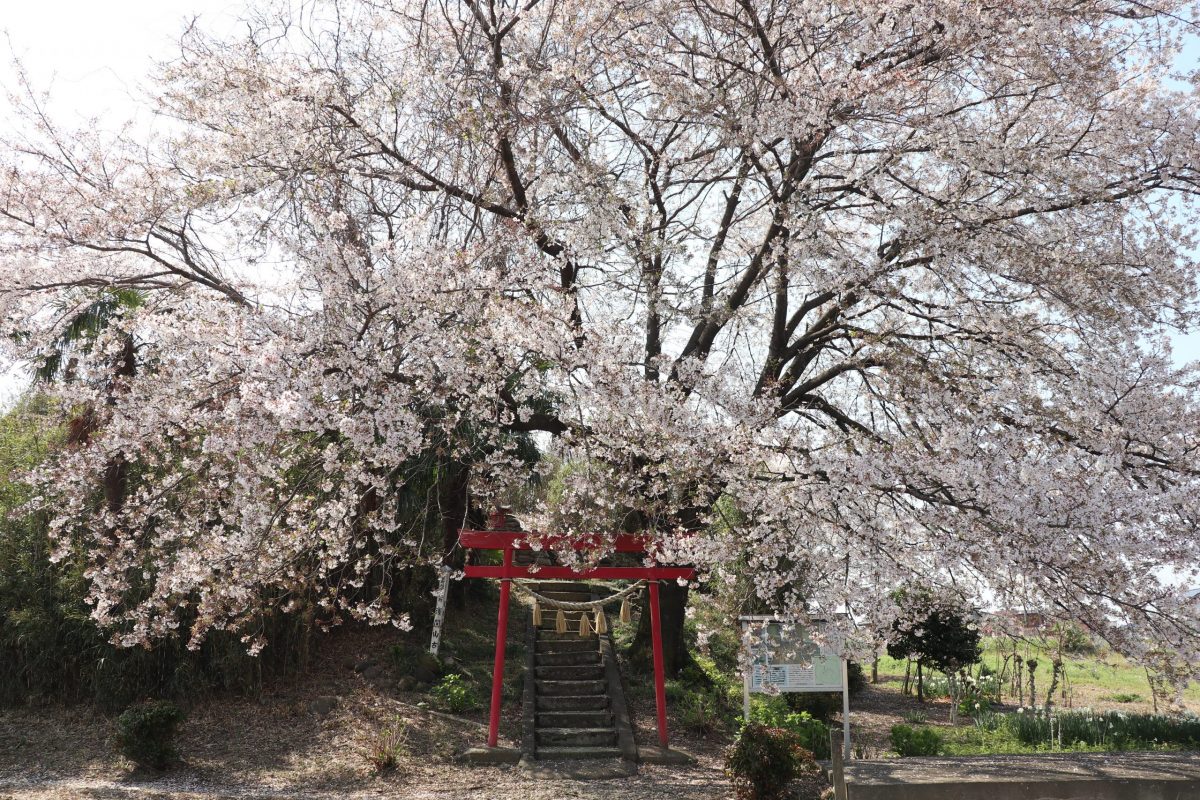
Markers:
point(574, 710)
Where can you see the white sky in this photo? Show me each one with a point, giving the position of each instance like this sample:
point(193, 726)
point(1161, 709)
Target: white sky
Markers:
point(95, 55)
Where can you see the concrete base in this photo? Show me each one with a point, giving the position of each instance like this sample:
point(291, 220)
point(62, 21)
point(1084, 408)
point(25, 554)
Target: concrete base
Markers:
point(490, 755)
point(658, 755)
point(598, 770)
point(1067, 776)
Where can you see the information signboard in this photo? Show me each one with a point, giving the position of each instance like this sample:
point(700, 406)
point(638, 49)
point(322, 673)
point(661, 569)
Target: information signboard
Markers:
point(782, 657)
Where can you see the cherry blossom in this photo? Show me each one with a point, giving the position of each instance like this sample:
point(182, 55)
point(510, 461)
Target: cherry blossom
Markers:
point(849, 296)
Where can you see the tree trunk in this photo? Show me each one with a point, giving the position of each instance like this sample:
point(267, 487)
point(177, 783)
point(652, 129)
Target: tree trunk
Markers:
point(907, 676)
point(454, 507)
point(116, 470)
point(920, 683)
point(1054, 676)
point(673, 602)
point(875, 671)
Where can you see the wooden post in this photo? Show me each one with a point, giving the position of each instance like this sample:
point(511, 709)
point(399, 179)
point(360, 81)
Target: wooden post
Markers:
point(501, 640)
point(660, 689)
point(846, 709)
point(837, 764)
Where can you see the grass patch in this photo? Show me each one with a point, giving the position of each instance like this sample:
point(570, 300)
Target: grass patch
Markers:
point(1124, 698)
point(1071, 731)
point(1102, 676)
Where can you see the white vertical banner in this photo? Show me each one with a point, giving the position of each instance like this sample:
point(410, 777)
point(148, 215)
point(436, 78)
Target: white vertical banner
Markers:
point(439, 615)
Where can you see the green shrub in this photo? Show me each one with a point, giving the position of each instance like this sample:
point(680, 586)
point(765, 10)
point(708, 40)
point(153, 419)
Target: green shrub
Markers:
point(146, 733)
point(1076, 641)
point(453, 695)
point(703, 712)
point(764, 761)
point(909, 741)
point(813, 733)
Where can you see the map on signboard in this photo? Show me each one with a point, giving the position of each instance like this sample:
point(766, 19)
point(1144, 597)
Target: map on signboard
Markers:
point(784, 659)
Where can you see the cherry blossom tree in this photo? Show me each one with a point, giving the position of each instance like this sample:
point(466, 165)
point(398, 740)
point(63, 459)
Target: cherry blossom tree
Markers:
point(894, 280)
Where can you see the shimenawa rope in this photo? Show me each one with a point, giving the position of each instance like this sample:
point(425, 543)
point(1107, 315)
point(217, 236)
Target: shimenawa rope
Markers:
point(596, 607)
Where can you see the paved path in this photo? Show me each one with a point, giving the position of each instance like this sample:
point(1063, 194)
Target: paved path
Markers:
point(1071, 776)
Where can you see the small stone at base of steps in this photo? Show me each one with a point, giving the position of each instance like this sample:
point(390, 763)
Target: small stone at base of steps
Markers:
point(572, 753)
point(596, 769)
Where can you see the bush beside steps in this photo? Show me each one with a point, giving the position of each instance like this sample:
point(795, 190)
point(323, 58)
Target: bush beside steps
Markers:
point(146, 733)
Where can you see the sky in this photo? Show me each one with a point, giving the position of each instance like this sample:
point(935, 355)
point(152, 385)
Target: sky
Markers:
point(95, 56)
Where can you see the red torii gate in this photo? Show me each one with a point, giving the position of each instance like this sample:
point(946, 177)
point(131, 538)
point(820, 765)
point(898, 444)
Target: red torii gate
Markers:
point(508, 541)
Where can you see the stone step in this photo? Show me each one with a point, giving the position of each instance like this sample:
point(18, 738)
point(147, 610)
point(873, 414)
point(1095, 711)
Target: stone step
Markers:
point(568, 658)
point(550, 618)
point(526, 558)
point(547, 633)
point(572, 702)
point(576, 737)
point(572, 753)
point(564, 643)
point(599, 687)
point(572, 629)
point(583, 672)
point(575, 719)
point(541, 587)
point(566, 597)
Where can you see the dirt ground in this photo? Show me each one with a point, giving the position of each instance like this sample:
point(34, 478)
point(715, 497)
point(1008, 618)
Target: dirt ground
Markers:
point(274, 746)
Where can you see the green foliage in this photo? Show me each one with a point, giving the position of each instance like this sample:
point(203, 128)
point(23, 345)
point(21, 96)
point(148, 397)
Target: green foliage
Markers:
point(454, 695)
point(704, 696)
point(943, 636)
point(146, 733)
point(49, 645)
point(977, 695)
point(1103, 673)
point(1075, 640)
point(813, 733)
point(1110, 730)
point(764, 761)
point(916, 717)
point(703, 712)
point(909, 741)
point(1073, 731)
point(81, 330)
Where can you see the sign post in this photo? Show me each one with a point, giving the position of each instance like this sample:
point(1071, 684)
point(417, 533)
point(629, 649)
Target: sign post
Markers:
point(782, 660)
